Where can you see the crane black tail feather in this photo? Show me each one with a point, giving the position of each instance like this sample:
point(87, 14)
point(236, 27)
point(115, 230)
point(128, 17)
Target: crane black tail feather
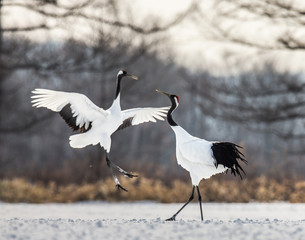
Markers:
point(229, 155)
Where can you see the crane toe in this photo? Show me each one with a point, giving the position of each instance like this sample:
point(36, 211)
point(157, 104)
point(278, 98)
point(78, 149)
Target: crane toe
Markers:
point(130, 175)
point(120, 187)
point(173, 218)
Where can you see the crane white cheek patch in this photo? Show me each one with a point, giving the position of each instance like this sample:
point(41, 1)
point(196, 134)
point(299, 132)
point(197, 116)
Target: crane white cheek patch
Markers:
point(177, 102)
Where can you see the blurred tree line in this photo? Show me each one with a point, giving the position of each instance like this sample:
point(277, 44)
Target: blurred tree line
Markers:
point(261, 109)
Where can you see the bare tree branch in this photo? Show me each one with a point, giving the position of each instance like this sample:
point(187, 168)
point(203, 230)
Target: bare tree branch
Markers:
point(282, 14)
point(25, 29)
point(26, 126)
point(263, 97)
point(76, 11)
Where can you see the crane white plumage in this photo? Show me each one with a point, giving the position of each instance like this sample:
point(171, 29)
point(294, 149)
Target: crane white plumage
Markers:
point(94, 124)
point(202, 158)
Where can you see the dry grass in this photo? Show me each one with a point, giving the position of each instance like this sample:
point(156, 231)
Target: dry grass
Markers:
point(259, 189)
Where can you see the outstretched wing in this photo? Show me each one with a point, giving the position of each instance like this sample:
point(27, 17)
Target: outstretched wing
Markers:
point(137, 116)
point(76, 109)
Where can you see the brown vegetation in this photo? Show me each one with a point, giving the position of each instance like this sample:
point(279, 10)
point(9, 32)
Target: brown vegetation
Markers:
point(216, 189)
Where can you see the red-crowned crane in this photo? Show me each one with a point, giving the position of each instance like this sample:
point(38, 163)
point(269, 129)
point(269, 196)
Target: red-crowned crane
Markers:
point(200, 157)
point(94, 124)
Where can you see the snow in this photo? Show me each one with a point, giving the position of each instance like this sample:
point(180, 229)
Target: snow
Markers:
point(145, 220)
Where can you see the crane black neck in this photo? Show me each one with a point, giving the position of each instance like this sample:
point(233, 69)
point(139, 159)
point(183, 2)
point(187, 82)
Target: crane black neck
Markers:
point(169, 114)
point(118, 85)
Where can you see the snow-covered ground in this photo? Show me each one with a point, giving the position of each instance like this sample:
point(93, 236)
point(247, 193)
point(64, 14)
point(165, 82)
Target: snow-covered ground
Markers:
point(145, 220)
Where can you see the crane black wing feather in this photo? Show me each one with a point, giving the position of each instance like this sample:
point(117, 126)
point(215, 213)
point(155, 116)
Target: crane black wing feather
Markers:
point(67, 115)
point(76, 109)
point(228, 155)
point(126, 123)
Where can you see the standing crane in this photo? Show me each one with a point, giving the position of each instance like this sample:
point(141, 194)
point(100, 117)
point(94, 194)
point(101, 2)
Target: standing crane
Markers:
point(94, 124)
point(202, 158)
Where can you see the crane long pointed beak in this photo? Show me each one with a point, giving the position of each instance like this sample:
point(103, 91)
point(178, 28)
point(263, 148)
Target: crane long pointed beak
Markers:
point(159, 91)
point(132, 76)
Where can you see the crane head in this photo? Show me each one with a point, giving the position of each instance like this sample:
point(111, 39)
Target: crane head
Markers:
point(172, 97)
point(123, 73)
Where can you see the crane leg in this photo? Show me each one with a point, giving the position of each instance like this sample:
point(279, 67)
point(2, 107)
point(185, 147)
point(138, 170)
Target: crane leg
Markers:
point(112, 165)
point(109, 164)
point(199, 199)
point(173, 218)
point(127, 174)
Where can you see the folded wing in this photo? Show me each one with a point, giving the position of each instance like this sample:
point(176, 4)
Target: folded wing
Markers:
point(76, 109)
point(137, 116)
point(197, 151)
